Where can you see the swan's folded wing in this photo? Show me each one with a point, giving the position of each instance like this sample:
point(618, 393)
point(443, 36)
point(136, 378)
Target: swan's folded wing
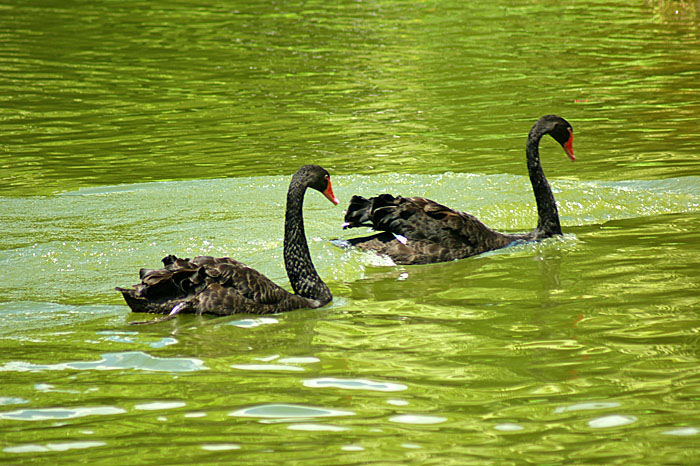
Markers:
point(233, 285)
point(234, 277)
point(418, 219)
point(182, 277)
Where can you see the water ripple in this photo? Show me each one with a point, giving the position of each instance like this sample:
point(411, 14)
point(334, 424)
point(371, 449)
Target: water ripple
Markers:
point(417, 419)
point(614, 420)
point(159, 405)
point(59, 446)
point(683, 431)
point(317, 427)
point(220, 447)
point(587, 406)
point(113, 361)
point(267, 367)
point(12, 400)
point(288, 411)
point(42, 414)
point(508, 427)
point(354, 384)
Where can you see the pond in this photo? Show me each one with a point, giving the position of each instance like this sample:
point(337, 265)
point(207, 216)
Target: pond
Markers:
point(132, 130)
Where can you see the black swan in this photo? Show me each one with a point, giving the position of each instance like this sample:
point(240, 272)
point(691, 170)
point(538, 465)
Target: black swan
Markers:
point(223, 286)
point(415, 230)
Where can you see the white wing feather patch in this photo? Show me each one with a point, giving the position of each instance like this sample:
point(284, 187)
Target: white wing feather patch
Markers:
point(400, 238)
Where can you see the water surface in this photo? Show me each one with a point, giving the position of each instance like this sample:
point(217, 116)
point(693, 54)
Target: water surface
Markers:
point(132, 130)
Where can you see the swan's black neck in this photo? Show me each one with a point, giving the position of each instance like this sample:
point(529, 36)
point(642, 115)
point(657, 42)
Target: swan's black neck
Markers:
point(547, 214)
point(301, 272)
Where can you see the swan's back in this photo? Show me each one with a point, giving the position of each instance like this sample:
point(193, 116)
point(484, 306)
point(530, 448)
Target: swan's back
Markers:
point(208, 285)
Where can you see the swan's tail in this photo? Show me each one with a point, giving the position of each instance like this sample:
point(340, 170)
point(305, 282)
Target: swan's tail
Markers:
point(369, 212)
point(358, 213)
point(139, 303)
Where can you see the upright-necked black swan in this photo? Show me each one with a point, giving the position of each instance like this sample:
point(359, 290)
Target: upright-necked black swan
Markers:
point(415, 230)
point(223, 286)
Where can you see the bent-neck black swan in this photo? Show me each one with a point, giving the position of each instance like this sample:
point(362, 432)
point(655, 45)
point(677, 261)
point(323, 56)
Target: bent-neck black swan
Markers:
point(223, 286)
point(416, 230)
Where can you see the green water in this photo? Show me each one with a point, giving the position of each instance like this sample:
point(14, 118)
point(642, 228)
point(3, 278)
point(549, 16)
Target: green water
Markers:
point(131, 130)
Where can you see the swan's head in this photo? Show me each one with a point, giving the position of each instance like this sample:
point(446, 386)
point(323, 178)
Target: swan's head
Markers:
point(560, 130)
point(317, 177)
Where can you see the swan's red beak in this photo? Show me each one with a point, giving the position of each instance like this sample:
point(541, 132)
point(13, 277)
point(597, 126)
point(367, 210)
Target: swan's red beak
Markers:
point(329, 192)
point(567, 146)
